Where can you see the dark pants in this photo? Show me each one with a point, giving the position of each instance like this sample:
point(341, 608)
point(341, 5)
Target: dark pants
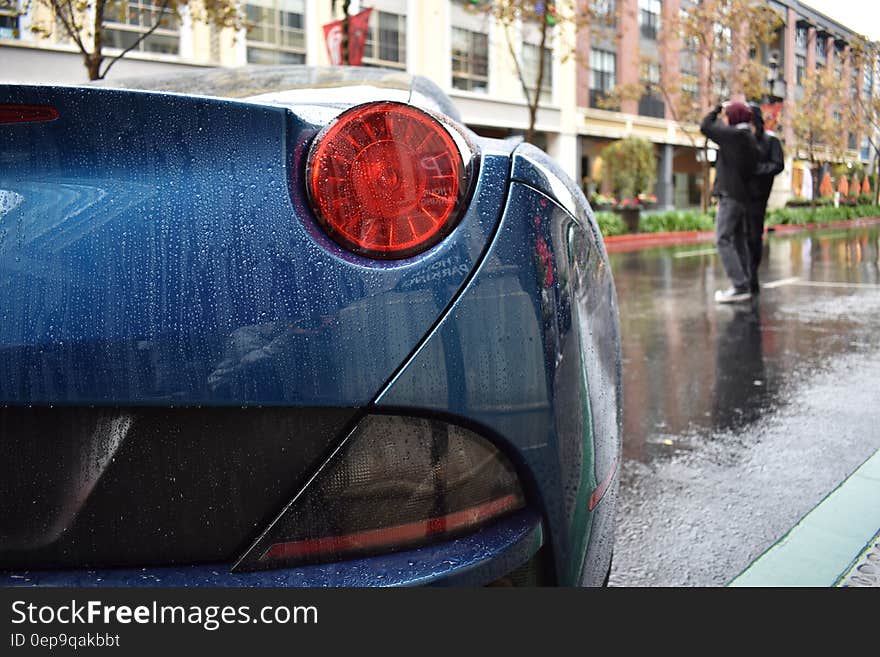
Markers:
point(757, 211)
point(730, 237)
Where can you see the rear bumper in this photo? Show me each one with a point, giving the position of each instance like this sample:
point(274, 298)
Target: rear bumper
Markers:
point(472, 560)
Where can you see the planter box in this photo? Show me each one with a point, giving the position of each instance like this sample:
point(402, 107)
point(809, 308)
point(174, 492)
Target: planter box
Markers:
point(630, 218)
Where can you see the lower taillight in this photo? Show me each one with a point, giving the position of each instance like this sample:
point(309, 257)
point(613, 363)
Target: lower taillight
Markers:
point(387, 180)
point(399, 482)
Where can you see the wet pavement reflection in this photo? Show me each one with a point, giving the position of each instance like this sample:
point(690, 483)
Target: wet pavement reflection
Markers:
point(692, 367)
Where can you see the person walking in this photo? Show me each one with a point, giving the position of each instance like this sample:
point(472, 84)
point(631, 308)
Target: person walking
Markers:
point(734, 169)
point(771, 162)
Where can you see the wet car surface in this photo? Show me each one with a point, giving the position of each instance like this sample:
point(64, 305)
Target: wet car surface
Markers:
point(280, 359)
point(740, 418)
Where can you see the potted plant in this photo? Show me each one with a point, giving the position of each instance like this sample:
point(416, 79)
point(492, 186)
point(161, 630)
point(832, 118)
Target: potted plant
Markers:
point(602, 202)
point(629, 210)
point(629, 164)
point(647, 201)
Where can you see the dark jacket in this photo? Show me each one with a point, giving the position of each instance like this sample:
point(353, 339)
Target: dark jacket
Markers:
point(737, 157)
point(771, 162)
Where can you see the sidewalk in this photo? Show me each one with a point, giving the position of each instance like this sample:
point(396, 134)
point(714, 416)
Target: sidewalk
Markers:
point(637, 241)
point(835, 544)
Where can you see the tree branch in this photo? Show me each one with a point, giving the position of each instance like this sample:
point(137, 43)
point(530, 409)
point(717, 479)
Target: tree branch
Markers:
point(519, 72)
point(138, 41)
point(70, 27)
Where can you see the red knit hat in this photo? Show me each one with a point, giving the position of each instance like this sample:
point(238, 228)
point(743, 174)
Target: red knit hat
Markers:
point(738, 113)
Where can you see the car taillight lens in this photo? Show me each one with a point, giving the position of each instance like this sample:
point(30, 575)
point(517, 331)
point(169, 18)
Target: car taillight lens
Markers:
point(399, 482)
point(386, 180)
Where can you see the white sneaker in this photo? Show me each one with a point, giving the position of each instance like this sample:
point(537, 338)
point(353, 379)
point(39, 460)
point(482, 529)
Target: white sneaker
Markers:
point(730, 295)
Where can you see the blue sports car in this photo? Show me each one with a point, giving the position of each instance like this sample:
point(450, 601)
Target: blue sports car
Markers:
point(292, 326)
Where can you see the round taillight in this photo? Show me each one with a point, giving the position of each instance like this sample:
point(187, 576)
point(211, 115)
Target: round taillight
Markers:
point(386, 180)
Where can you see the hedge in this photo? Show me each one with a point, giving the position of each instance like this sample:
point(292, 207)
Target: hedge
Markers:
point(611, 224)
point(801, 216)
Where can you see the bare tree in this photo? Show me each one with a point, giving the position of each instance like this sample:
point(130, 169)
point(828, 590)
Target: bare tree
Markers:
point(85, 22)
point(816, 121)
point(346, 15)
point(549, 19)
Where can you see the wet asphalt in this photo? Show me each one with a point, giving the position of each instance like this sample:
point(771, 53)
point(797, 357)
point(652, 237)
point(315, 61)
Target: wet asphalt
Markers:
point(739, 419)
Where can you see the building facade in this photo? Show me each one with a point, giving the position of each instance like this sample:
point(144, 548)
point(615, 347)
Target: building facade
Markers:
point(468, 54)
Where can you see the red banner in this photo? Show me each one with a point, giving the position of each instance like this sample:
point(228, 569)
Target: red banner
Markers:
point(358, 27)
point(771, 113)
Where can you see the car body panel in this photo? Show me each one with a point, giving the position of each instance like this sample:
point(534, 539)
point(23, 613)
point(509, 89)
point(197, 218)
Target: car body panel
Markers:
point(472, 560)
point(157, 251)
point(524, 352)
point(287, 86)
point(159, 257)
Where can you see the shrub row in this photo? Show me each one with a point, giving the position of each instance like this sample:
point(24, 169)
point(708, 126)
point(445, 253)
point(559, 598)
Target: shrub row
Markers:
point(611, 224)
point(860, 199)
point(801, 216)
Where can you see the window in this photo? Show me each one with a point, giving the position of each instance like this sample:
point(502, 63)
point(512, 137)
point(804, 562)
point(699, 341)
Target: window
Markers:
point(470, 60)
point(9, 19)
point(276, 33)
point(838, 62)
point(820, 47)
point(800, 38)
point(649, 18)
point(386, 40)
point(605, 12)
point(866, 150)
point(129, 20)
point(651, 104)
point(723, 38)
point(851, 141)
point(867, 81)
point(800, 68)
point(603, 75)
point(530, 55)
point(691, 42)
point(690, 87)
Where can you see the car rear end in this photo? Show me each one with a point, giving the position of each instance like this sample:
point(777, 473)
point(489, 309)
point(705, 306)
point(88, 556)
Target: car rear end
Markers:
point(202, 368)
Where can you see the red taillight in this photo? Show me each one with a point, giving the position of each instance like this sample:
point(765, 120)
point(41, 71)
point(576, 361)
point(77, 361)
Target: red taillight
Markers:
point(27, 113)
point(386, 180)
point(390, 537)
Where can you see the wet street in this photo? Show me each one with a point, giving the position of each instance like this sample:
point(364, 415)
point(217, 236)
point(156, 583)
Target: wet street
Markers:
point(739, 419)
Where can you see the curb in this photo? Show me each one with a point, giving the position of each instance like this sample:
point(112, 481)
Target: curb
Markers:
point(639, 241)
point(825, 548)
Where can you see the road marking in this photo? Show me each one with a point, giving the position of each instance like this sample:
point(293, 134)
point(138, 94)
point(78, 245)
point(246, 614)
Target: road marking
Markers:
point(691, 254)
point(800, 283)
point(780, 283)
point(836, 284)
